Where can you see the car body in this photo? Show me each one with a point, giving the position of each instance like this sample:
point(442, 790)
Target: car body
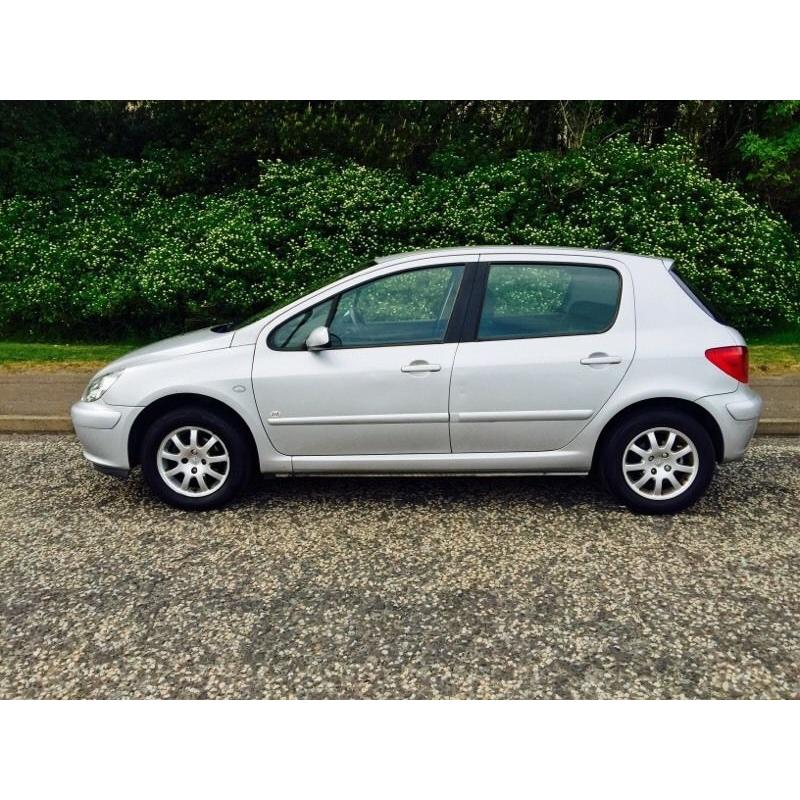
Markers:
point(484, 360)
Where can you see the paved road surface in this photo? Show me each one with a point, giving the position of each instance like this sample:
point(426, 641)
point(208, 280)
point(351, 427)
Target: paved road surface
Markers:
point(396, 587)
point(54, 392)
point(51, 394)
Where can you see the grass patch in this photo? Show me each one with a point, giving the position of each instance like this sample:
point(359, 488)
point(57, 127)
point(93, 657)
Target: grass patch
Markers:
point(774, 353)
point(770, 354)
point(774, 359)
point(17, 356)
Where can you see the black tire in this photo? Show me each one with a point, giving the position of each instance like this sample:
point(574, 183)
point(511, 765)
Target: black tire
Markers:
point(614, 451)
point(234, 444)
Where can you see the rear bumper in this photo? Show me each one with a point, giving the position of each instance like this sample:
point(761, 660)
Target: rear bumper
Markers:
point(737, 415)
point(103, 432)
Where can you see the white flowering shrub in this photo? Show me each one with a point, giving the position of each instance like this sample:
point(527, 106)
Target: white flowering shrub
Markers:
point(120, 256)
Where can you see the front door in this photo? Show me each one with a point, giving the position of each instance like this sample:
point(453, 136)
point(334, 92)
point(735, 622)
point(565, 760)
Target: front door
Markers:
point(382, 386)
point(549, 344)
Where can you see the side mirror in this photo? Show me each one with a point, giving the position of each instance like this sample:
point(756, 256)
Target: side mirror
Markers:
point(318, 339)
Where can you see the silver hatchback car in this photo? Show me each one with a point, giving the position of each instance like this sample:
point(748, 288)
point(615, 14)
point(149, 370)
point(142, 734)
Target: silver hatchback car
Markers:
point(471, 360)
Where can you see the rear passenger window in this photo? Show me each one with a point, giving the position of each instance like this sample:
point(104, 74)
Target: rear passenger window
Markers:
point(531, 300)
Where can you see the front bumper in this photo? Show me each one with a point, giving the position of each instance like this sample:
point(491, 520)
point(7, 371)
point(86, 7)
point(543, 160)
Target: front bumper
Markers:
point(103, 432)
point(737, 415)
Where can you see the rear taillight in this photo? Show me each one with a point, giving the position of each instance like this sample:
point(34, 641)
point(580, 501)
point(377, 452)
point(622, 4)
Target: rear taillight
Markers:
point(731, 360)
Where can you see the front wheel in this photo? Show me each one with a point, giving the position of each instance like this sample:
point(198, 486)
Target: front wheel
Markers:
point(658, 462)
point(195, 459)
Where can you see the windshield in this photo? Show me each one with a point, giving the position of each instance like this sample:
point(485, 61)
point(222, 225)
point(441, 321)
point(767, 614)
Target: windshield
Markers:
point(243, 323)
point(263, 312)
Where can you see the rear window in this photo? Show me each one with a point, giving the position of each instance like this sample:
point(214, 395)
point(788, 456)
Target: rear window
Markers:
point(695, 295)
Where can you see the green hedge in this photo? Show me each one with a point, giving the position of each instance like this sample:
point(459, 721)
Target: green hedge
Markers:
point(118, 256)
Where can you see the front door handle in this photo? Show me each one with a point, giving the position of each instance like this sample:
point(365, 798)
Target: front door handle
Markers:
point(600, 358)
point(421, 366)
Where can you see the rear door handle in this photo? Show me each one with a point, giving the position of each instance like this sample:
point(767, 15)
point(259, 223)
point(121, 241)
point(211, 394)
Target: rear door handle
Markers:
point(421, 366)
point(600, 358)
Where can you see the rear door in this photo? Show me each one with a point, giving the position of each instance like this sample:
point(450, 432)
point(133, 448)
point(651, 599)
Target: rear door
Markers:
point(544, 347)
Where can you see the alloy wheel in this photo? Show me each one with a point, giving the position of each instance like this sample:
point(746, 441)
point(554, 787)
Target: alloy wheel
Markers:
point(193, 461)
point(660, 463)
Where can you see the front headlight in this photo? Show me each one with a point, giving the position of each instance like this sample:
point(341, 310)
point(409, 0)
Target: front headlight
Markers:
point(99, 386)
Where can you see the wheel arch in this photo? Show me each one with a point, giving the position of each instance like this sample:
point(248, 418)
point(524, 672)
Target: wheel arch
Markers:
point(174, 401)
point(691, 408)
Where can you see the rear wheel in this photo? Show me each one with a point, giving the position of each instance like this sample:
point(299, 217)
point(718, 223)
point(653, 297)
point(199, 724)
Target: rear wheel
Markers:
point(658, 461)
point(195, 459)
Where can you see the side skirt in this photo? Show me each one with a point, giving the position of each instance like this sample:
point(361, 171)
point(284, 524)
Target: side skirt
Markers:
point(558, 462)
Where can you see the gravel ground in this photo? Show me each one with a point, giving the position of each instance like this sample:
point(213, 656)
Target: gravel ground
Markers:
point(396, 587)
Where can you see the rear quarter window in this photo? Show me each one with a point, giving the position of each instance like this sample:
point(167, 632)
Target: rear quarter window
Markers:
point(695, 295)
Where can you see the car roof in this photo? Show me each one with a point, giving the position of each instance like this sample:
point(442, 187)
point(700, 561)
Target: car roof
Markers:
point(523, 249)
point(247, 334)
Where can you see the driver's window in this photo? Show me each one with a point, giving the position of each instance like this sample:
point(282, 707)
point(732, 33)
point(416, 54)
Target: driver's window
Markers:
point(412, 307)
